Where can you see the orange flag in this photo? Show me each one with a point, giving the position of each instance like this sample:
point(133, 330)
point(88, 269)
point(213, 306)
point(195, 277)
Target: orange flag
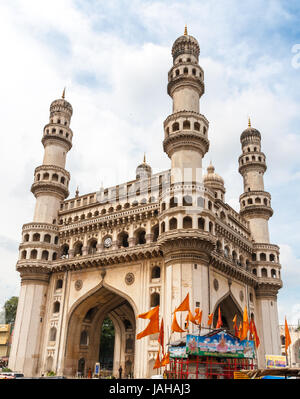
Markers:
point(157, 364)
point(210, 319)
point(185, 305)
point(236, 331)
point(287, 336)
point(240, 331)
point(161, 335)
point(166, 359)
point(245, 327)
point(153, 326)
point(191, 318)
point(175, 326)
point(219, 322)
point(253, 333)
point(198, 318)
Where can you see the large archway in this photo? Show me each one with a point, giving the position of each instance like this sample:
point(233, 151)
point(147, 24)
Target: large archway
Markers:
point(102, 307)
point(229, 308)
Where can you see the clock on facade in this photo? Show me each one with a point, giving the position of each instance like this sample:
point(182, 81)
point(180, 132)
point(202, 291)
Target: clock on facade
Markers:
point(107, 242)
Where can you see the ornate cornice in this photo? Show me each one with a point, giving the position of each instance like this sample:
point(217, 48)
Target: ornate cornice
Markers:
point(185, 139)
point(50, 187)
point(186, 245)
point(188, 81)
point(220, 262)
point(108, 257)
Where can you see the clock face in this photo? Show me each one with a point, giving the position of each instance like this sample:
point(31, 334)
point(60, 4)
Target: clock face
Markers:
point(107, 242)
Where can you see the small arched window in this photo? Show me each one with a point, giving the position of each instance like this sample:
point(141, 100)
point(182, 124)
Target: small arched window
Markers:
point(45, 255)
point(173, 202)
point(185, 71)
point(175, 126)
point(59, 284)
point(264, 272)
point(197, 126)
point(62, 180)
point(273, 273)
point(272, 258)
point(173, 224)
point(154, 299)
point(141, 237)
point(186, 125)
point(36, 237)
point(55, 177)
point(23, 254)
point(56, 307)
point(263, 257)
point(52, 335)
point(187, 222)
point(26, 237)
point(201, 223)
point(47, 238)
point(46, 176)
point(155, 273)
point(33, 254)
point(84, 338)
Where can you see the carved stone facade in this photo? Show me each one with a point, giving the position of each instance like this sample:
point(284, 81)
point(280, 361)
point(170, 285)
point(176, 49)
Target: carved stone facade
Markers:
point(117, 252)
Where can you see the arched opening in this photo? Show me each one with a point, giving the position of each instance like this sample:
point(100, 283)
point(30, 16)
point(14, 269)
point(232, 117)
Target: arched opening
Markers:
point(64, 251)
point(23, 254)
point(273, 273)
point(154, 299)
point(155, 232)
point(173, 202)
point(175, 126)
point(229, 308)
point(107, 342)
point(141, 237)
point(84, 338)
point(163, 227)
point(47, 238)
point(56, 307)
point(187, 222)
point(197, 126)
point(264, 272)
point(59, 284)
point(26, 238)
point(98, 328)
point(263, 257)
point(33, 254)
point(186, 125)
point(78, 249)
point(155, 272)
point(173, 224)
point(52, 335)
point(45, 255)
point(201, 223)
point(92, 246)
point(123, 239)
point(36, 237)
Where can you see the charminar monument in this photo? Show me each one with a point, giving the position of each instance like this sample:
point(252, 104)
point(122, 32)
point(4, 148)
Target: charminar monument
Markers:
point(117, 252)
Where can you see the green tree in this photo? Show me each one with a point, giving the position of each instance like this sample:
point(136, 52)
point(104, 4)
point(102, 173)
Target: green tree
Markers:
point(10, 308)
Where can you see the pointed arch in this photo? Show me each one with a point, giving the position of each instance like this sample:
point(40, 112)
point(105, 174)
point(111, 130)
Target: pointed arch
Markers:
point(229, 308)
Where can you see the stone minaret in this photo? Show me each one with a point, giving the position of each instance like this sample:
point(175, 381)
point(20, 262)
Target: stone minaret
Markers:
point(186, 129)
point(40, 242)
point(255, 206)
point(255, 203)
point(185, 239)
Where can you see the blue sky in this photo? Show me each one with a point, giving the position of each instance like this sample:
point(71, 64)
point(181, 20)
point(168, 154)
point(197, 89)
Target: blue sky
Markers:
point(114, 57)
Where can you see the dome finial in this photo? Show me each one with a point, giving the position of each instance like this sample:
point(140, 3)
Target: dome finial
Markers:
point(144, 161)
point(185, 31)
point(249, 122)
point(63, 93)
point(77, 192)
